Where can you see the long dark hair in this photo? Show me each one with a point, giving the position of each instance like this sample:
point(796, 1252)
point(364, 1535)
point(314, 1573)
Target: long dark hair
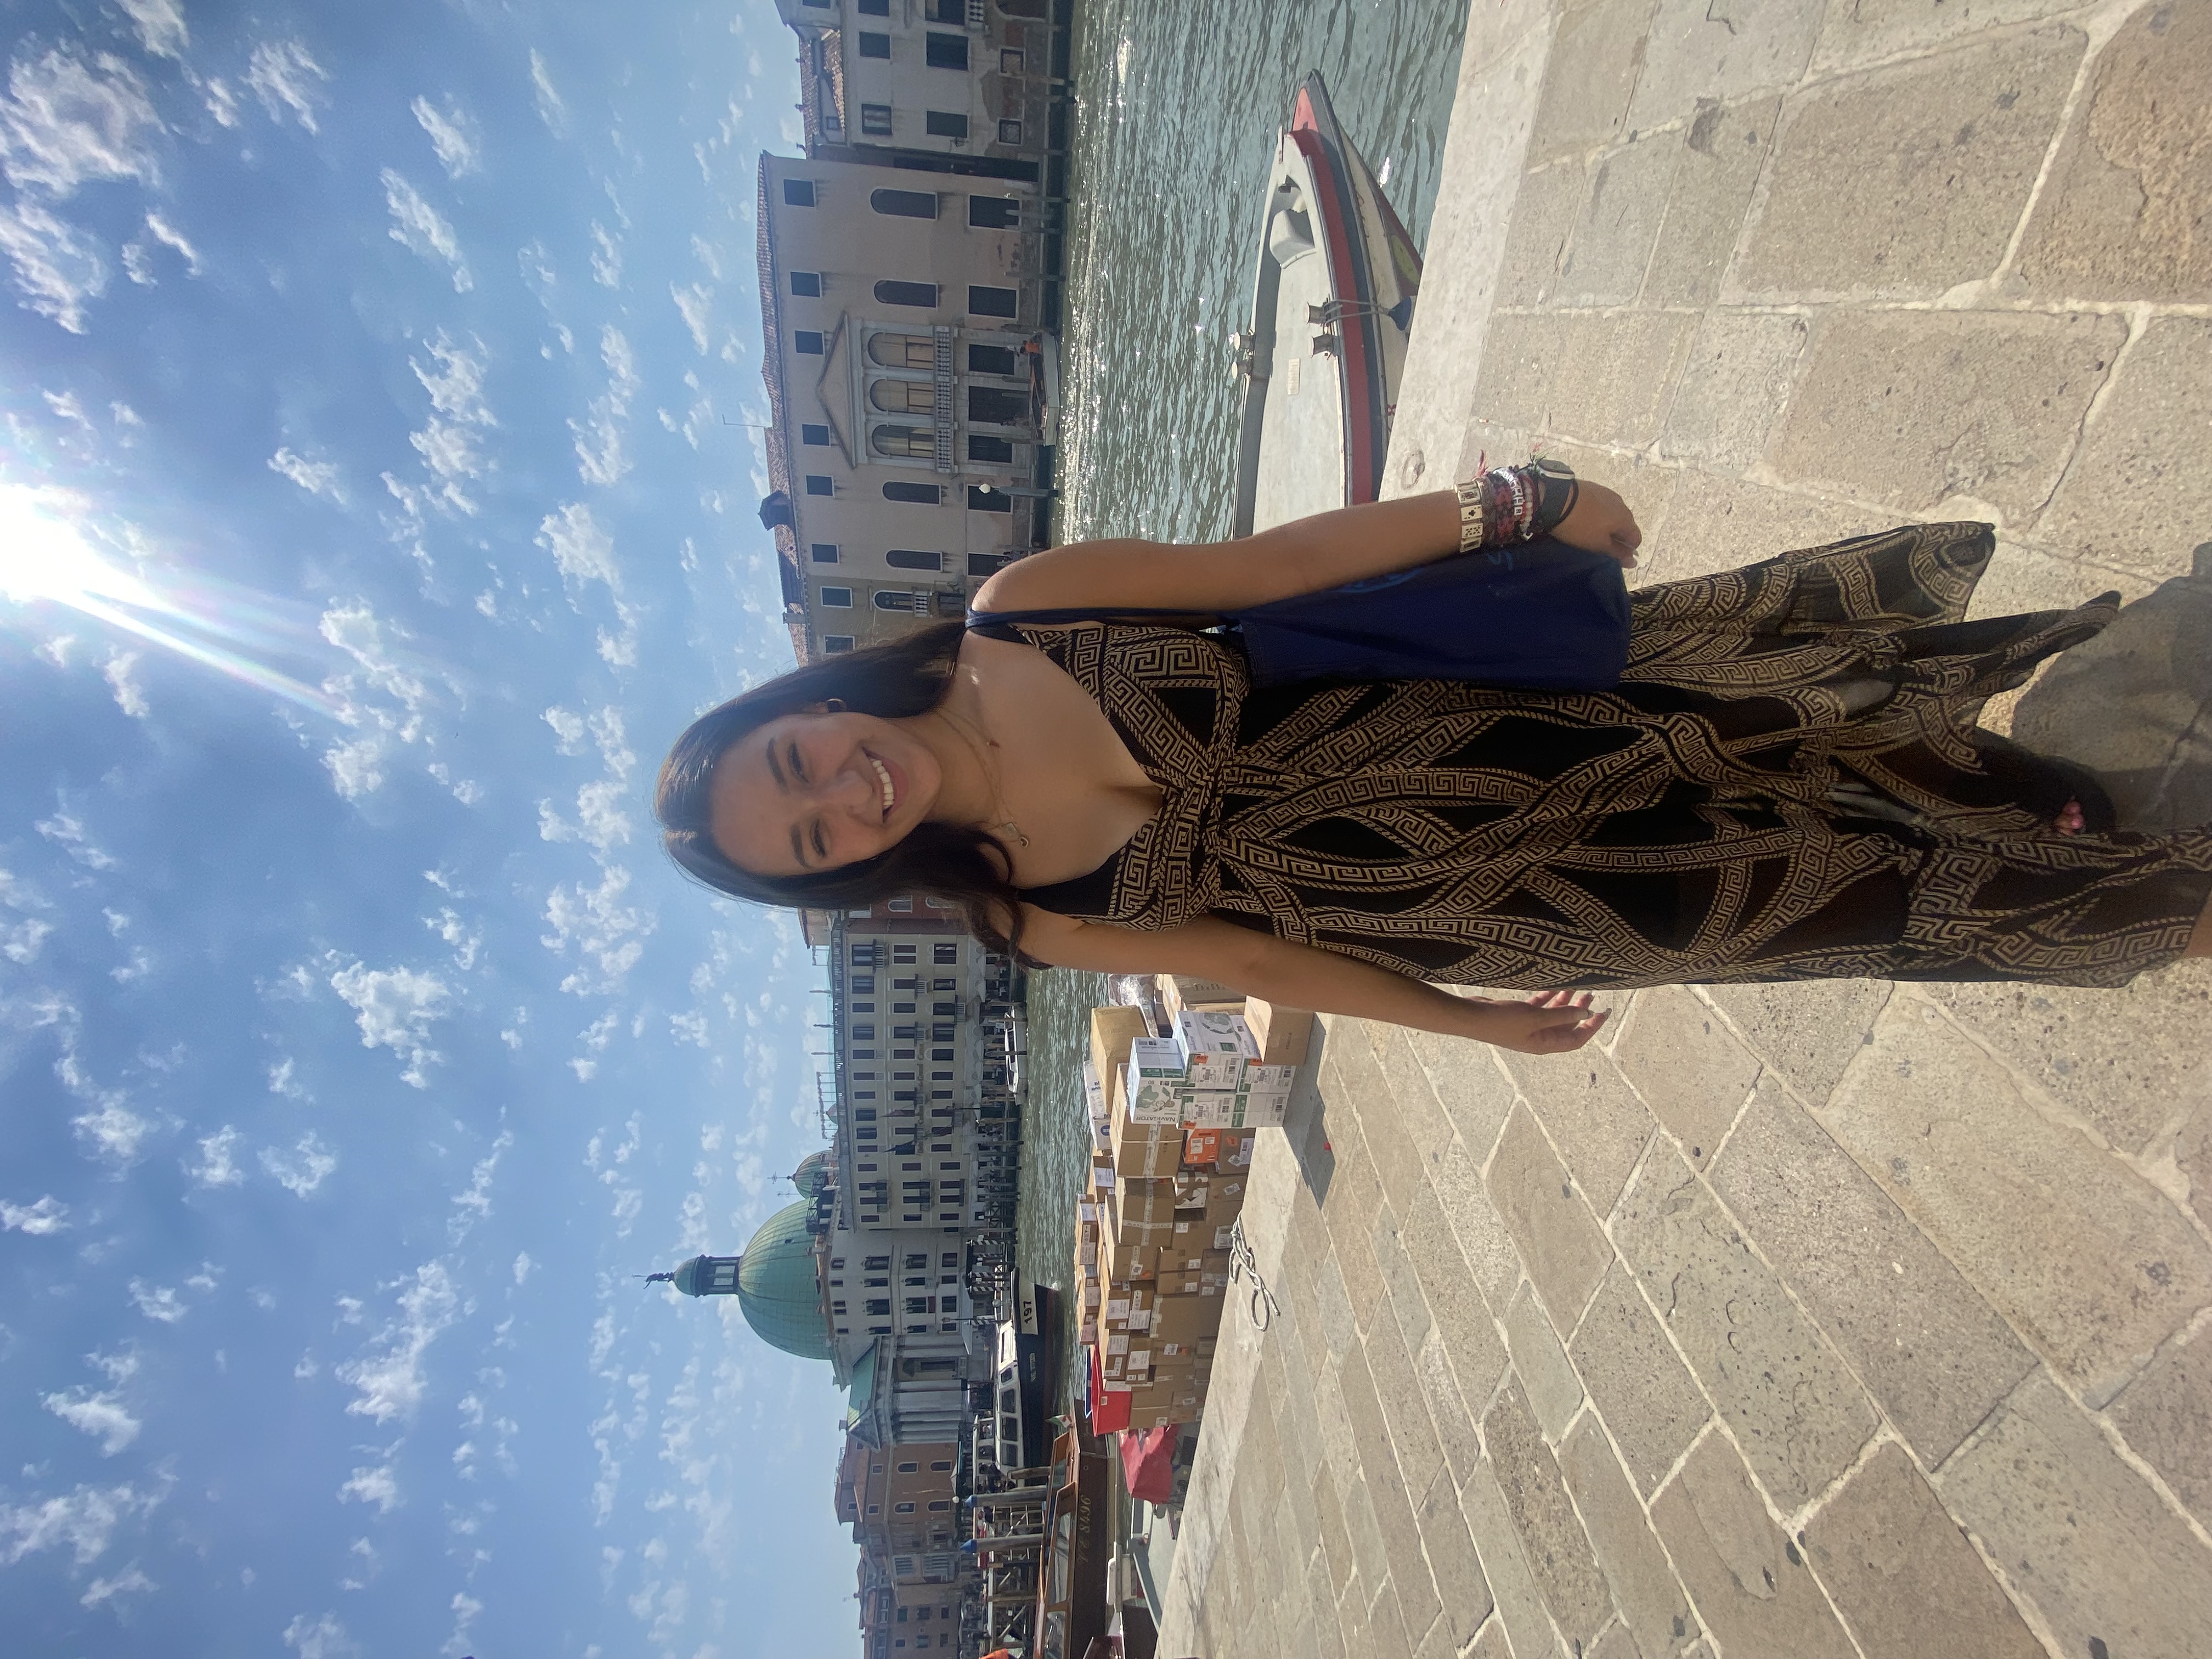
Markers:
point(964, 866)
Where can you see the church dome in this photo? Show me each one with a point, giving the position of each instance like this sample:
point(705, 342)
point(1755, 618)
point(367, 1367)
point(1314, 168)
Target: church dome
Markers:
point(777, 1289)
point(813, 1171)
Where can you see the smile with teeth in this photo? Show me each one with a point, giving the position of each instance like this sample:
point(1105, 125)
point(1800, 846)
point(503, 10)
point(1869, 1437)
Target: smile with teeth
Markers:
point(883, 777)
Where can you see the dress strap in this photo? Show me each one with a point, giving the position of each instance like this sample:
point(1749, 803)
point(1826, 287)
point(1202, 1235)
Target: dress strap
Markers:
point(993, 623)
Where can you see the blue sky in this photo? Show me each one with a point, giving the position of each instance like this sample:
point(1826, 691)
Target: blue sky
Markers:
point(373, 507)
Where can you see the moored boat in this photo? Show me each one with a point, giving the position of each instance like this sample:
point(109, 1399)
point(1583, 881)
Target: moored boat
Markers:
point(1323, 352)
point(1021, 1383)
point(1071, 1611)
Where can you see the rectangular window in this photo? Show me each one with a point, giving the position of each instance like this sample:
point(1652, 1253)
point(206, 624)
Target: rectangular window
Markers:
point(985, 564)
point(807, 284)
point(876, 120)
point(981, 498)
point(818, 435)
point(995, 451)
point(873, 8)
point(874, 45)
point(995, 213)
point(945, 51)
point(818, 485)
point(807, 341)
point(822, 552)
point(902, 955)
point(836, 644)
point(1010, 133)
point(945, 124)
point(994, 301)
point(798, 192)
point(922, 295)
point(942, 954)
point(879, 1306)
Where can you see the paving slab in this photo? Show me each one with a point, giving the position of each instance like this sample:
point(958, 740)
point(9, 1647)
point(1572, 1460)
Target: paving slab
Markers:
point(1796, 1412)
point(2166, 1416)
point(1688, 1067)
point(1652, 1404)
point(1643, 1586)
point(1903, 1576)
point(2089, 1261)
point(1750, 1583)
point(1910, 179)
point(2105, 1562)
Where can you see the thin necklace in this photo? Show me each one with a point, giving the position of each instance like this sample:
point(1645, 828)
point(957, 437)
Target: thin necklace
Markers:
point(990, 774)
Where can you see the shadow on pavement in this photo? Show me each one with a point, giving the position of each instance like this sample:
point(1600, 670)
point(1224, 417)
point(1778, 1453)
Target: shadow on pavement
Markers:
point(2134, 705)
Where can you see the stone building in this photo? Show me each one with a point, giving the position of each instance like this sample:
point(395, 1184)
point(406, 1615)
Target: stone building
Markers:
point(910, 386)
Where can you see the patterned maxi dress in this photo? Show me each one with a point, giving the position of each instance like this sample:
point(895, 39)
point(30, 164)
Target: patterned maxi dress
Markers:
point(1787, 784)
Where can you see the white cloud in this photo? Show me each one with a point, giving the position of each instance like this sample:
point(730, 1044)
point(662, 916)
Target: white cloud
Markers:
point(221, 103)
point(217, 1166)
point(584, 552)
point(303, 1168)
point(102, 1416)
point(130, 1582)
point(568, 730)
point(321, 1639)
point(550, 109)
point(22, 941)
point(418, 226)
point(388, 1377)
point(158, 1302)
point(130, 696)
point(170, 237)
point(316, 478)
point(522, 1264)
point(606, 256)
point(606, 935)
point(357, 766)
point(473, 1202)
point(288, 81)
point(283, 1080)
point(160, 24)
point(688, 1028)
point(467, 942)
point(697, 304)
point(112, 1130)
point(602, 456)
point(453, 135)
point(67, 833)
point(47, 1216)
point(396, 1008)
point(58, 268)
point(66, 120)
point(466, 1608)
point(454, 377)
point(84, 1521)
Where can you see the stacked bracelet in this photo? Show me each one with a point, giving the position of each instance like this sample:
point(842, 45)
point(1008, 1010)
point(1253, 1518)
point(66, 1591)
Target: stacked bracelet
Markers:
point(1514, 504)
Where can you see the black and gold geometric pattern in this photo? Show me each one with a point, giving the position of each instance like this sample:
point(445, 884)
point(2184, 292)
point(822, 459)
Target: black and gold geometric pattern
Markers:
point(1787, 784)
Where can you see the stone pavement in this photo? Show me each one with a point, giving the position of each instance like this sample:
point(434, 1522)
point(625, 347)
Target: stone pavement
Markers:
point(1834, 1320)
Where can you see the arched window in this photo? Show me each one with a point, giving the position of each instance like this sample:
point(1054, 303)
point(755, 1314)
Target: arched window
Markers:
point(908, 443)
point(999, 405)
point(902, 351)
point(905, 203)
point(908, 558)
point(892, 293)
point(916, 494)
point(902, 397)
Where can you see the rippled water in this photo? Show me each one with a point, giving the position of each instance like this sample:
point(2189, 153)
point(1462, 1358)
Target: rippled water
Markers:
point(1178, 103)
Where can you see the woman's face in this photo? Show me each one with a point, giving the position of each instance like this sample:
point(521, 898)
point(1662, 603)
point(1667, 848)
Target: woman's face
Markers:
point(812, 791)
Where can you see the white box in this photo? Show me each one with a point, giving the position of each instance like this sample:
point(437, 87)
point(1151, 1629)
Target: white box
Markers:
point(1094, 1091)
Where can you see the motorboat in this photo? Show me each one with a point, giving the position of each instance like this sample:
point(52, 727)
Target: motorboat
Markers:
point(1322, 355)
point(1022, 1381)
point(1071, 1611)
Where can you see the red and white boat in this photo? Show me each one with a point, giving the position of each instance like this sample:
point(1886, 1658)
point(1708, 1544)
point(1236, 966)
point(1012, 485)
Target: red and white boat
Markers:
point(1324, 351)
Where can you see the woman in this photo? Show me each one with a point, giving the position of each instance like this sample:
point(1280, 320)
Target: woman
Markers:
point(1786, 784)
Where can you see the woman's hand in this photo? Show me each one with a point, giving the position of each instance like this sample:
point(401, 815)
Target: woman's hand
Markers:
point(1548, 1023)
point(1602, 523)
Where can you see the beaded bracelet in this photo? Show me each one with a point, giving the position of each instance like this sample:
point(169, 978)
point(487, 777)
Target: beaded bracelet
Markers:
point(1514, 503)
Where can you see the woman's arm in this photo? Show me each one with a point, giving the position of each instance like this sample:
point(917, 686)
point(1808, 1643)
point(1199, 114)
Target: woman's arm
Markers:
point(1326, 550)
point(1299, 976)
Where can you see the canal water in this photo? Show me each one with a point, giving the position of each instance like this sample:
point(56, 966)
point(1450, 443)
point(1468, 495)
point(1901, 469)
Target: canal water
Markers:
point(1177, 106)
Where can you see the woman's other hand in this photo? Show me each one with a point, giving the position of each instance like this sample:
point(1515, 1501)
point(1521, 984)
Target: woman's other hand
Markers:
point(1602, 523)
point(1548, 1023)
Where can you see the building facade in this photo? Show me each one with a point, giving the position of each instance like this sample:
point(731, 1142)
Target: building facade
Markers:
point(911, 390)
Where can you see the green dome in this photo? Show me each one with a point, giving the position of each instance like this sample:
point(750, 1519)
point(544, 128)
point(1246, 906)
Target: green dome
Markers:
point(777, 1288)
point(812, 1173)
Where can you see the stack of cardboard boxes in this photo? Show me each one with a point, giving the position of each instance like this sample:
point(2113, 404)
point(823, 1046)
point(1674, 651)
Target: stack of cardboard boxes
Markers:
point(1173, 1124)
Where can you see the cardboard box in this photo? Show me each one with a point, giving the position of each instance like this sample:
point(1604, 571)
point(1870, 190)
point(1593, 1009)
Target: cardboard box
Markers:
point(1185, 1321)
point(1156, 1082)
point(1145, 1151)
point(1094, 1090)
point(1122, 1262)
point(1235, 1149)
point(1112, 1028)
point(1284, 1035)
point(1141, 1199)
point(1177, 992)
point(1201, 1147)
